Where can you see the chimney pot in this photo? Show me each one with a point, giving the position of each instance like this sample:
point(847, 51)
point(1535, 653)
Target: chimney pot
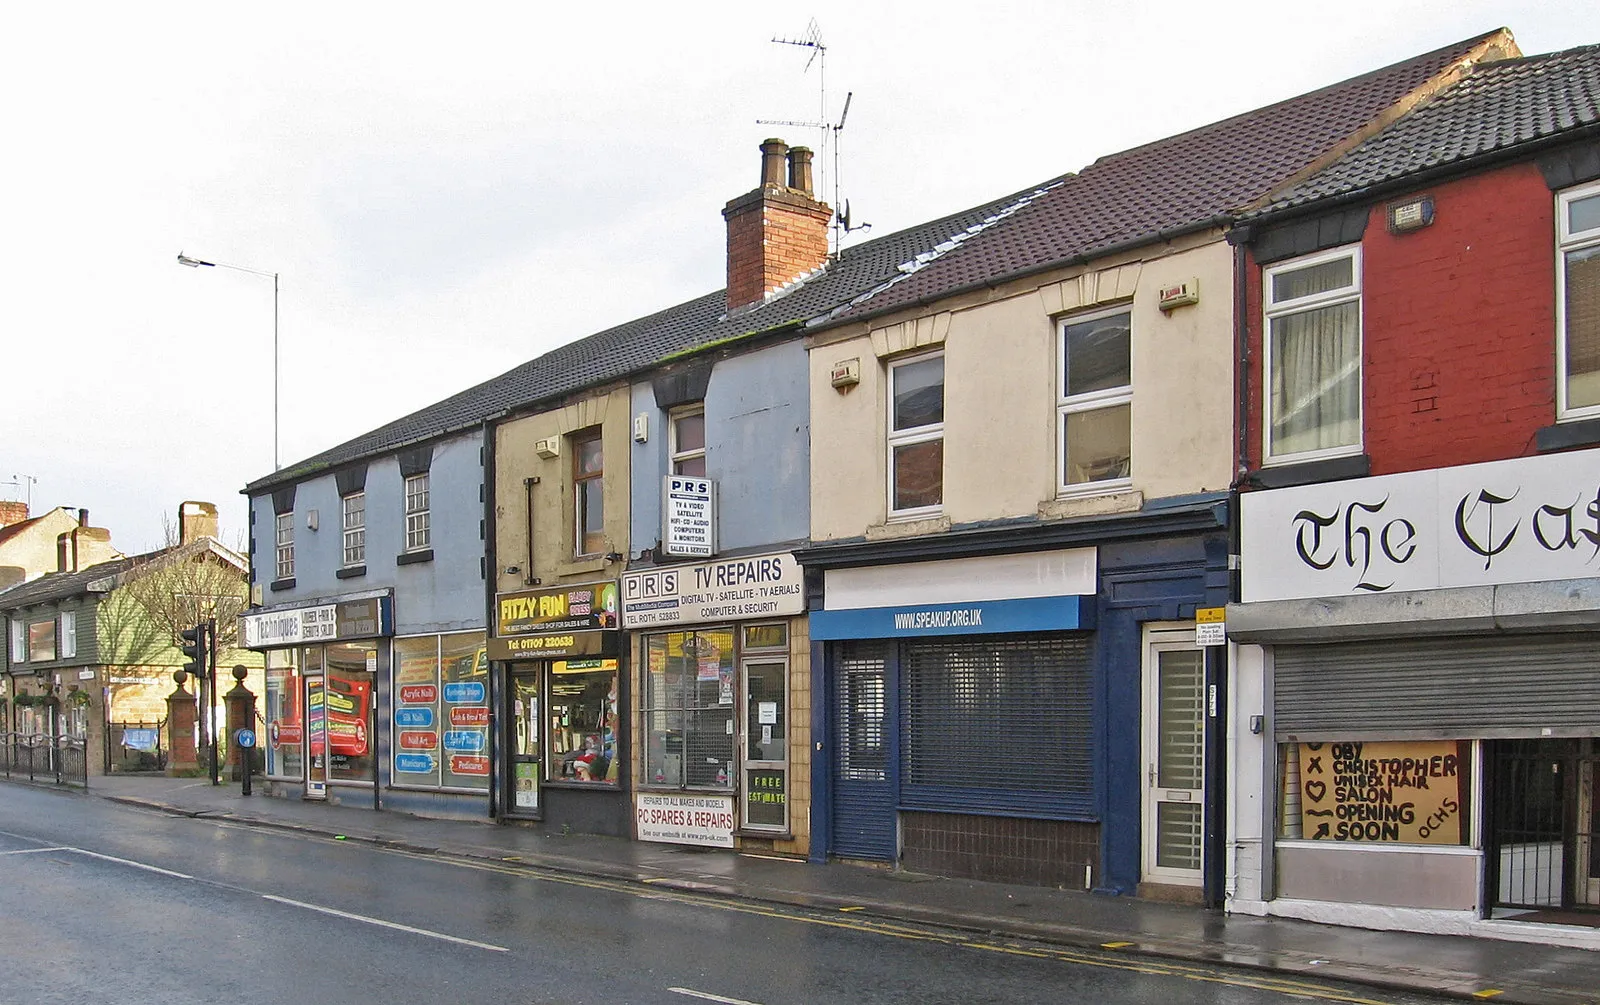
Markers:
point(800, 170)
point(83, 518)
point(773, 154)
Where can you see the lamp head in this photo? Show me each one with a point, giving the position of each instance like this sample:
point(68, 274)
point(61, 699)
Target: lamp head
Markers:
point(193, 263)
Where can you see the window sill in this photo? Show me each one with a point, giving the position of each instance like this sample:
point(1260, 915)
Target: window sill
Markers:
point(1566, 435)
point(907, 527)
point(350, 572)
point(1333, 469)
point(281, 584)
point(1117, 500)
point(414, 557)
point(569, 783)
point(580, 566)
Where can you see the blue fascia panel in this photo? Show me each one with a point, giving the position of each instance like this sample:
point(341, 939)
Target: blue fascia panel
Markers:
point(974, 617)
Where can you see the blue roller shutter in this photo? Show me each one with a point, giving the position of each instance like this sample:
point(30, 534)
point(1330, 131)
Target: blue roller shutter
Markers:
point(864, 816)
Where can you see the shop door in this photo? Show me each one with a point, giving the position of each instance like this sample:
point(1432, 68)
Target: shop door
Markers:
point(523, 743)
point(766, 745)
point(1586, 839)
point(1174, 756)
point(865, 823)
point(316, 738)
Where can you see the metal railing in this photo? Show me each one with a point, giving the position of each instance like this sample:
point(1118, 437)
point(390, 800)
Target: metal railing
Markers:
point(41, 757)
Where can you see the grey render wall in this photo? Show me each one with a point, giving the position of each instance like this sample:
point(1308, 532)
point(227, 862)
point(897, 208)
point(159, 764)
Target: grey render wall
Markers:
point(445, 594)
point(757, 449)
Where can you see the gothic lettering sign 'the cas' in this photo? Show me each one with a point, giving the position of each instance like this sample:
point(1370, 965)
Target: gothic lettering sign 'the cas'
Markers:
point(1525, 520)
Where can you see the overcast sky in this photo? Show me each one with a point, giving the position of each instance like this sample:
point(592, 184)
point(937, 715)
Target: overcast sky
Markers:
point(449, 190)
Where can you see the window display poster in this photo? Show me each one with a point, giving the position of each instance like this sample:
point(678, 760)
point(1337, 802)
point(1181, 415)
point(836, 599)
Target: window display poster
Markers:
point(766, 797)
point(1393, 792)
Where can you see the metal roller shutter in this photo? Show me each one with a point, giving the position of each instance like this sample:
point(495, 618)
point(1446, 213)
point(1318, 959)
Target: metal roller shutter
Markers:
point(864, 816)
point(1462, 688)
point(998, 725)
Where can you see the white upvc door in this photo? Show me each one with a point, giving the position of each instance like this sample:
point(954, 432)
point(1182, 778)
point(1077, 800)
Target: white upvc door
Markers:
point(1174, 755)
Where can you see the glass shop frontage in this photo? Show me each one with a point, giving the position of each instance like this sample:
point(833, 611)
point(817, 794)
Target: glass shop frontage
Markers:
point(723, 657)
point(563, 693)
point(319, 715)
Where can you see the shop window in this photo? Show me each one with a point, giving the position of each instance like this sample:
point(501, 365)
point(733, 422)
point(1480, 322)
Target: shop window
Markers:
point(440, 716)
point(688, 441)
point(69, 634)
point(1093, 406)
point(1313, 364)
point(588, 494)
point(354, 509)
point(1578, 300)
point(582, 738)
point(689, 710)
point(41, 641)
point(1379, 792)
point(283, 714)
point(285, 543)
point(916, 436)
point(419, 525)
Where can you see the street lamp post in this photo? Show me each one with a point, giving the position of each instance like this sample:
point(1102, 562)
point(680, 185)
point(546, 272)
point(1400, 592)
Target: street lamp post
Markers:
point(195, 263)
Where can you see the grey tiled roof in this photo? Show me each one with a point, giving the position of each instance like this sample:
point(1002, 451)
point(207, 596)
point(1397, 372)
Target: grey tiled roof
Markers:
point(60, 585)
point(638, 345)
point(1494, 109)
point(1169, 186)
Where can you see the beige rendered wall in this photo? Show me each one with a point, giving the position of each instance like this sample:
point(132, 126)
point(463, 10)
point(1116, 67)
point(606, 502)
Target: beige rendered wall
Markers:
point(1001, 362)
point(554, 515)
point(1441, 881)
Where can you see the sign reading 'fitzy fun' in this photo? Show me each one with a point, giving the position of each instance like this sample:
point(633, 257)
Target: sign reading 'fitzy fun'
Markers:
point(1517, 521)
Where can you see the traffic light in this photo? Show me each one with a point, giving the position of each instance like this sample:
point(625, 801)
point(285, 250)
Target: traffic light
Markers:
point(194, 648)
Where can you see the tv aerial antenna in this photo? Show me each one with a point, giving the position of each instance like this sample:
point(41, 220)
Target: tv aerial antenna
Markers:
point(25, 483)
point(827, 132)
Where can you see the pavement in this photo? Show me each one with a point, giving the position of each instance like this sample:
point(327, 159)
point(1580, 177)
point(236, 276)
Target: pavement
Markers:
point(1453, 966)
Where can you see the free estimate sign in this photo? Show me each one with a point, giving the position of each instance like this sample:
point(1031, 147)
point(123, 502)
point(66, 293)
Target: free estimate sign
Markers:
point(1525, 520)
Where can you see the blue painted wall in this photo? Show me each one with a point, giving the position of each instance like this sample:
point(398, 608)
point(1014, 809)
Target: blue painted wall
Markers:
point(1140, 581)
point(757, 448)
point(443, 595)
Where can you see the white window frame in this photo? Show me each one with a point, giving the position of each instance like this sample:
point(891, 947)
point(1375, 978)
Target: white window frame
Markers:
point(1271, 311)
point(284, 539)
point(419, 520)
point(910, 437)
point(67, 635)
point(1067, 404)
point(353, 523)
point(674, 455)
point(576, 441)
point(1567, 241)
point(19, 641)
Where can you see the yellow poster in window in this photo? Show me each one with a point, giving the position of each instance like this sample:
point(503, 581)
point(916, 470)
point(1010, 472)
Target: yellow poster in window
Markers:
point(1388, 792)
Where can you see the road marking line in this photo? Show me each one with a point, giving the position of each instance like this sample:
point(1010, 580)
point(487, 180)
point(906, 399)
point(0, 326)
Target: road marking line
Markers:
point(130, 862)
point(848, 909)
point(1487, 993)
point(1115, 945)
point(383, 924)
point(709, 997)
point(34, 851)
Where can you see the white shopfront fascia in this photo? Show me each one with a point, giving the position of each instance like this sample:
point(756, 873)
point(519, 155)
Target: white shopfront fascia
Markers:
point(1067, 573)
point(1527, 520)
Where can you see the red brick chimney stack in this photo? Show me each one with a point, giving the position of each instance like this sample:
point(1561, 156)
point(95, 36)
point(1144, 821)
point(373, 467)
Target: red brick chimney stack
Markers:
point(12, 512)
point(777, 233)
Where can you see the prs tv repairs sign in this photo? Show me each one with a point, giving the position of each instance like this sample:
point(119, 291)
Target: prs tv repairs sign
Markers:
point(763, 586)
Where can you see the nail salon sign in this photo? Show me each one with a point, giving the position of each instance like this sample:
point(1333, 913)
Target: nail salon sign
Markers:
point(1525, 520)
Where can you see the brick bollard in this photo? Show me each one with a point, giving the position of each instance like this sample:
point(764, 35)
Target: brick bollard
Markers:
point(181, 756)
point(241, 715)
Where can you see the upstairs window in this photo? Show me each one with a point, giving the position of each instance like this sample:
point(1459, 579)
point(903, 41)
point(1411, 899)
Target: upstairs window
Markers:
point(285, 539)
point(687, 442)
point(1094, 403)
point(19, 642)
point(1313, 357)
point(354, 522)
point(916, 436)
point(419, 527)
point(1578, 297)
point(42, 641)
point(588, 494)
point(69, 634)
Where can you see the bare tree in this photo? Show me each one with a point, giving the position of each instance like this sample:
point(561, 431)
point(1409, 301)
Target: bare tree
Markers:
point(180, 586)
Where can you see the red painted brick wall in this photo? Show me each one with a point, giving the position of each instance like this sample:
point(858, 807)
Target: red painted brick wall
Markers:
point(1458, 327)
